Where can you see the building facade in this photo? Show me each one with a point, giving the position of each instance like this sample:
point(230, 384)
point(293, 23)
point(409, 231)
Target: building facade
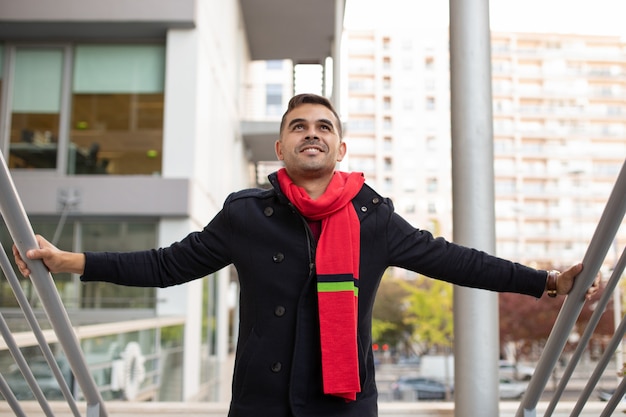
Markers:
point(559, 106)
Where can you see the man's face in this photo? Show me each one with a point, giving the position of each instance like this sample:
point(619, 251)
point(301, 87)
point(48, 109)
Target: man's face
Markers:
point(309, 143)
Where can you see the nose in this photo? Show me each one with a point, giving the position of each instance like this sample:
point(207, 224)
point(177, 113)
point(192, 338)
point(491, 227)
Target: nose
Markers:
point(311, 134)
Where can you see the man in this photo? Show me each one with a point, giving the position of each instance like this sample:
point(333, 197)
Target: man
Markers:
point(310, 254)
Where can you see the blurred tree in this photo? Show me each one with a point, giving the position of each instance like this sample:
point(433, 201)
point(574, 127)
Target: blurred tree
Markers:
point(429, 313)
point(388, 324)
point(526, 322)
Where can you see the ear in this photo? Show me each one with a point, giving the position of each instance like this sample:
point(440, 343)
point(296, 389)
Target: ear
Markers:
point(343, 148)
point(278, 149)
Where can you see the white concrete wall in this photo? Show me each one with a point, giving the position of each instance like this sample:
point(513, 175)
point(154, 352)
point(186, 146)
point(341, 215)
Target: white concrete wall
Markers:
point(205, 68)
point(185, 300)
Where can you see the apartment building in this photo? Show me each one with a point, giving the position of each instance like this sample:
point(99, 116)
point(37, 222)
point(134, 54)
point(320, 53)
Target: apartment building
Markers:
point(560, 140)
point(125, 124)
point(559, 108)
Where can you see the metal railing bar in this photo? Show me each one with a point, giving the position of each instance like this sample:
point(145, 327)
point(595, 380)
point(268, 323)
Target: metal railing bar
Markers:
point(24, 238)
point(596, 252)
point(22, 364)
point(10, 398)
point(615, 400)
point(612, 345)
point(95, 410)
point(587, 334)
point(597, 372)
point(31, 319)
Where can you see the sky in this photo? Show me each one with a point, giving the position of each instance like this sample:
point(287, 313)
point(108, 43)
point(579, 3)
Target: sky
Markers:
point(597, 17)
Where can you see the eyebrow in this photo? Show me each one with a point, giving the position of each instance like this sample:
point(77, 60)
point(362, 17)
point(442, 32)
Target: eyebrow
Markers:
point(302, 120)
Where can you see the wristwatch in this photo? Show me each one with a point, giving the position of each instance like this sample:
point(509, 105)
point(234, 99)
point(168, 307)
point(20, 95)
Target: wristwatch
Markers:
point(551, 283)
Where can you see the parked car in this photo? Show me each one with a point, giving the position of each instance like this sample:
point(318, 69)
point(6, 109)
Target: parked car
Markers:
point(606, 394)
point(409, 360)
point(509, 370)
point(431, 389)
point(424, 388)
point(511, 389)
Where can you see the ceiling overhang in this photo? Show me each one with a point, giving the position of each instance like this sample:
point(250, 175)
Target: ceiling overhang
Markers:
point(27, 20)
point(300, 30)
point(259, 138)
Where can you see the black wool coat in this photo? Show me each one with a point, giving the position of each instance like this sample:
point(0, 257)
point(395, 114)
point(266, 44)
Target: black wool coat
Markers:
point(277, 362)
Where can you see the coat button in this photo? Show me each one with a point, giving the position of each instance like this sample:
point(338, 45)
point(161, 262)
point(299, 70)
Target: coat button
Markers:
point(279, 311)
point(376, 200)
point(268, 211)
point(276, 367)
point(278, 257)
point(363, 209)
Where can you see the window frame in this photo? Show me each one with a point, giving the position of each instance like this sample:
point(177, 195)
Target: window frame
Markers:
point(6, 97)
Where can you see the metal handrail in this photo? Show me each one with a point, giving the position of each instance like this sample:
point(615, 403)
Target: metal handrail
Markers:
point(23, 236)
point(600, 243)
point(31, 319)
point(608, 353)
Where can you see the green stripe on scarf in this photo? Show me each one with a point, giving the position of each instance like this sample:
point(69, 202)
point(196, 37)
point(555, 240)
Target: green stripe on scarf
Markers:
point(337, 286)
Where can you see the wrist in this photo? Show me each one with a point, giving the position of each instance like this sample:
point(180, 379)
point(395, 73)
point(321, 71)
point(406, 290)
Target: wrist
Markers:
point(552, 283)
point(74, 263)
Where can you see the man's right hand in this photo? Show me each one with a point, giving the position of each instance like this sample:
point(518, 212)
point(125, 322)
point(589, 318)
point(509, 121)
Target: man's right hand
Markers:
point(53, 258)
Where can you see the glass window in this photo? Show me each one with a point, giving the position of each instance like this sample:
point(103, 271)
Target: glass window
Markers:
point(432, 185)
point(137, 365)
point(273, 99)
point(117, 236)
point(95, 236)
point(117, 109)
point(119, 359)
point(274, 64)
point(35, 108)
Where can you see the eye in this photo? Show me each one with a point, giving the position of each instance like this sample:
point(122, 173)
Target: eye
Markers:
point(325, 127)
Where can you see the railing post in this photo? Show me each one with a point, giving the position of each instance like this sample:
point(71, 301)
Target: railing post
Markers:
point(598, 247)
point(609, 350)
point(24, 238)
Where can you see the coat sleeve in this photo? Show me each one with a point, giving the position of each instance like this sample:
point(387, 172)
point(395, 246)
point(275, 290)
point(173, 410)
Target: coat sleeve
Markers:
point(418, 251)
point(197, 255)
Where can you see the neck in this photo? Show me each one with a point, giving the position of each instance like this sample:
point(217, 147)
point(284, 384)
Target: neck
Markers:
point(314, 186)
point(315, 191)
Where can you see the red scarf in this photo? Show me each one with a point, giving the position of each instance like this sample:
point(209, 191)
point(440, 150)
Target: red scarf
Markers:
point(337, 266)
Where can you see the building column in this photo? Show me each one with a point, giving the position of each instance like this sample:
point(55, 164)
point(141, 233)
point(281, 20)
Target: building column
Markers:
point(476, 340)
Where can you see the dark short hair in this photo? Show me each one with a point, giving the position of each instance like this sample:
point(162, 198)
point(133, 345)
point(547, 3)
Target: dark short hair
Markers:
point(308, 98)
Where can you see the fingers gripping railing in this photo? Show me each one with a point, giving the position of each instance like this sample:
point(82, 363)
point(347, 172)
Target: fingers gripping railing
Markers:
point(600, 243)
point(22, 234)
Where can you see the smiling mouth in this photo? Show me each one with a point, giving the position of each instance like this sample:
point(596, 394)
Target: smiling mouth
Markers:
point(311, 150)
